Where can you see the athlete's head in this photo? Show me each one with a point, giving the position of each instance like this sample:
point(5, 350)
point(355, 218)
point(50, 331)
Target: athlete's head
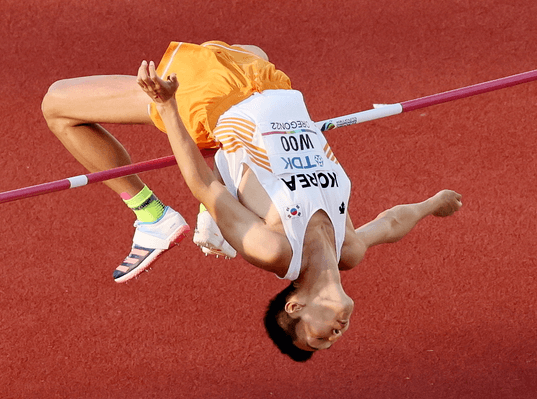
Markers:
point(281, 328)
point(300, 325)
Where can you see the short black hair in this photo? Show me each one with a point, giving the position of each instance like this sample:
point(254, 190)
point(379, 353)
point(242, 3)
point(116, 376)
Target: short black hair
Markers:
point(283, 338)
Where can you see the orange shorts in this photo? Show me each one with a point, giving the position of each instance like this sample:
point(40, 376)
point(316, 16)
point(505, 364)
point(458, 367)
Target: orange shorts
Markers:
point(212, 78)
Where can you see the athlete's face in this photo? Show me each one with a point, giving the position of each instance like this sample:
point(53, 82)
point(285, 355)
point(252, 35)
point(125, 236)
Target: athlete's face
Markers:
point(321, 325)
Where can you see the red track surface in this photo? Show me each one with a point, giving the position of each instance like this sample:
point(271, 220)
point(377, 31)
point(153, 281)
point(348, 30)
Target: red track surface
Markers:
point(449, 312)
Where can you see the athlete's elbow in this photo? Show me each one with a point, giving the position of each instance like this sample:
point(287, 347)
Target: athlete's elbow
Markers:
point(401, 220)
point(394, 226)
point(272, 256)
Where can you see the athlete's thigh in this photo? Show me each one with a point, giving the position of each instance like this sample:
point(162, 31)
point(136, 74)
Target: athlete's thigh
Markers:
point(98, 99)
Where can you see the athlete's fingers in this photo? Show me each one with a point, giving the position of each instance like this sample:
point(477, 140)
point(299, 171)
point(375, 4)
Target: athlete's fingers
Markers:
point(148, 81)
point(172, 79)
point(145, 80)
point(155, 87)
point(153, 76)
point(142, 75)
point(152, 70)
point(458, 200)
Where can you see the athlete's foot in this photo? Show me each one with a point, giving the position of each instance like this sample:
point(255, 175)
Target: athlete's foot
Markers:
point(208, 236)
point(150, 241)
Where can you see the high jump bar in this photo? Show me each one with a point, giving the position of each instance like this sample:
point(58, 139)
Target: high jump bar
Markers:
point(379, 111)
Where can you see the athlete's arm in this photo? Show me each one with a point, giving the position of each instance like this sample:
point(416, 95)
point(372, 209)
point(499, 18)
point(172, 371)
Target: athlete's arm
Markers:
point(392, 225)
point(243, 229)
point(395, 223)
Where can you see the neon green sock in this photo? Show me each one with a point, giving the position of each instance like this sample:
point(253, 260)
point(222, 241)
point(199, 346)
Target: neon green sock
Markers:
point(146, 206)
point(202, 208)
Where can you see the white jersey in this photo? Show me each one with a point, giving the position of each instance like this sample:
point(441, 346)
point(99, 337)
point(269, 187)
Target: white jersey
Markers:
point(272, 133)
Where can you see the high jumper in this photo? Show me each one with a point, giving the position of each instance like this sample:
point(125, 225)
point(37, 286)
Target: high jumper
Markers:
point(278, 194)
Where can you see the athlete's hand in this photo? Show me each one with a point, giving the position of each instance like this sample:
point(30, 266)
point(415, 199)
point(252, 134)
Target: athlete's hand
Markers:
point(447, 203)
point(158, 89)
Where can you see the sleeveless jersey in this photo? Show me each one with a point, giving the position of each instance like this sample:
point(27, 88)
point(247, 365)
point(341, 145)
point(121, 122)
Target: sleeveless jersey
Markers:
point(272, 133)
point(213, 77)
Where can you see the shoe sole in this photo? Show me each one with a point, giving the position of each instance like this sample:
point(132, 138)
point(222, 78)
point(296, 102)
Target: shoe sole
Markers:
point(176, 239)
point(215, 252)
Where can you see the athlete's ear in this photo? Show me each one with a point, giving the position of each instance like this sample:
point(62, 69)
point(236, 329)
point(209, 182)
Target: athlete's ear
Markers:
point(292, 308)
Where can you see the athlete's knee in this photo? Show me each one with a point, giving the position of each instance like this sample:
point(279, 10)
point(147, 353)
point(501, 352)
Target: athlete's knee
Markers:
point(49, 105)
point(55, 106)
point(55, 109)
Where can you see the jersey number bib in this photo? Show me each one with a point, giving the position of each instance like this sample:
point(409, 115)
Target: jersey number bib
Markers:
point(293, 151)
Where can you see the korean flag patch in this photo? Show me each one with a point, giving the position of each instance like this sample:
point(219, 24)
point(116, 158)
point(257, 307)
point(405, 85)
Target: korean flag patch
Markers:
point(293, 211)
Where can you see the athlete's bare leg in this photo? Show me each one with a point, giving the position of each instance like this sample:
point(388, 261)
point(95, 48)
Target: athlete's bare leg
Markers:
point(73, 109)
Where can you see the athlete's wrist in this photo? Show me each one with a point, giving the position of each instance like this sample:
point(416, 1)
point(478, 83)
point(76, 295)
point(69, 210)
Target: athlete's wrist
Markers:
point(167, 107)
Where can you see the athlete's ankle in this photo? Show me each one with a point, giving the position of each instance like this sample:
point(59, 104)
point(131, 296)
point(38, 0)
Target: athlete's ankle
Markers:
point(146, 206)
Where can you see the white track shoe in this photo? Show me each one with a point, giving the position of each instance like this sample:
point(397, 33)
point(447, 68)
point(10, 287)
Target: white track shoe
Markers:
point(150, 241)
point(208, 236)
